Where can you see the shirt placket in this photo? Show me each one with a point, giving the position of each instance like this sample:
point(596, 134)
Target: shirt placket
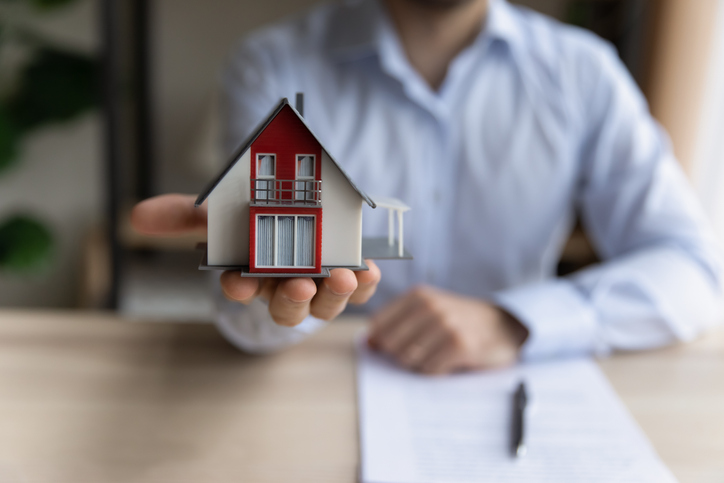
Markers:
point(438, 170)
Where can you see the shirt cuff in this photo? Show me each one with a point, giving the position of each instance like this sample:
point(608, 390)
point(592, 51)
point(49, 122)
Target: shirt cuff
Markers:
point(560, 321)
point(252, 329)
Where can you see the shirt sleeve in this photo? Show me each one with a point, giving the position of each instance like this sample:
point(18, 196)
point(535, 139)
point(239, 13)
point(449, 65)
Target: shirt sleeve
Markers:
point(250, 89)
point(251, 328)
point(660, 279)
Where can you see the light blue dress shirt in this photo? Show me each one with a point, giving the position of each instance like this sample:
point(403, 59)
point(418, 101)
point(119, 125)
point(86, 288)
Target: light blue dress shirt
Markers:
point(536, 121)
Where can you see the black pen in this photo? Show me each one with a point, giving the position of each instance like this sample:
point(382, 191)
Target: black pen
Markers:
point(520, 401)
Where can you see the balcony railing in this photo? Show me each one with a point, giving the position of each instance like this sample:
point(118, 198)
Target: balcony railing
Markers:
point(286, 192)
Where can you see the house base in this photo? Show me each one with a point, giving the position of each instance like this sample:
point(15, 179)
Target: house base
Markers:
point(380, 249)
point(246, 273)
point(244, 269)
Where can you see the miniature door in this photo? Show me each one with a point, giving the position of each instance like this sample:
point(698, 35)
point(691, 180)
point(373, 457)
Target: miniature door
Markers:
point(285, 242)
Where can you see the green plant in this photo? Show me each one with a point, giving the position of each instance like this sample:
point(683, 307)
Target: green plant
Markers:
point(25, 244)
point(9, 138)
point(55, 85)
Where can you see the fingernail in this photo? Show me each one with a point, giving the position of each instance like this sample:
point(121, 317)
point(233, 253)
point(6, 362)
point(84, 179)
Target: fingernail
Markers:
point(289, 299)
point(340, 294)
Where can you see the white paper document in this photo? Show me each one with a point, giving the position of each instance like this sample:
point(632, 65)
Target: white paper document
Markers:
point(418, 429)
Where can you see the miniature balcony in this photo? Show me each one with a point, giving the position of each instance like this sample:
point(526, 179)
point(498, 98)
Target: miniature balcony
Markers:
point(286, 192)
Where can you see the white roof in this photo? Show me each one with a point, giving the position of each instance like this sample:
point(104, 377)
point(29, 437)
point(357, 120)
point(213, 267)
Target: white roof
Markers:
point(390, 203)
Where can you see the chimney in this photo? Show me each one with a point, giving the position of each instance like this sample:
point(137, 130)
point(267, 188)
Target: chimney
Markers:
point(299, 106)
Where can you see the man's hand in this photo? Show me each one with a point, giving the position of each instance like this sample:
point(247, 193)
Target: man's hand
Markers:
point(290, 299)
point(436, 332)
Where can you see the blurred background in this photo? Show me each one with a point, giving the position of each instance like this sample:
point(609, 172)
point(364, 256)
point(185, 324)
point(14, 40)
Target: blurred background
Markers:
point(106, 102)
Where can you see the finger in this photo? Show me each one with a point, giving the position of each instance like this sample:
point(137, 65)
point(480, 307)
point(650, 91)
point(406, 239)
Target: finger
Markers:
point(333, 293)
point(440, 361)
point(289, 304)
point(393, 339)
point(367, 282)
point(171, 214)
point(268, 286)
point(497, 356)
point(239, 289)
point(391, 315)
point(417, 351)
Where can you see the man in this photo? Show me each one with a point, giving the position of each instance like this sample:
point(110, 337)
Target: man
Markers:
point(497, 125)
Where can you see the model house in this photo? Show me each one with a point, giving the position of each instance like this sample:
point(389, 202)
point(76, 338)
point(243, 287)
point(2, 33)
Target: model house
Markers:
point(284, 207)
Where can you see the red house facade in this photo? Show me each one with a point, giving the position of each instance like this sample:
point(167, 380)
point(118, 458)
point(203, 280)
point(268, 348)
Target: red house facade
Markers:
point(285, 215)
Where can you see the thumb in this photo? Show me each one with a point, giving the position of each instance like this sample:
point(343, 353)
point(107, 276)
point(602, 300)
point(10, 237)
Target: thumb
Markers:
point(171, 214)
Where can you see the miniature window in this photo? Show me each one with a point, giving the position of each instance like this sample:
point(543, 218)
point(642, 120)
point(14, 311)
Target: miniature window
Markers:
point(265, 173)
point(305, 166)
point(285, 241)
point(266, 166)
point(305, 170)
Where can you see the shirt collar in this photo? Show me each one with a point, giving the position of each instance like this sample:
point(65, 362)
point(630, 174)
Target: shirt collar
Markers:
point(358, 25)
point(501, 23)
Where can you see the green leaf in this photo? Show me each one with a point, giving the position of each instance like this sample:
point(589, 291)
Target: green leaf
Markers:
point(9, 141)
point(55, 86)
point(25, 244)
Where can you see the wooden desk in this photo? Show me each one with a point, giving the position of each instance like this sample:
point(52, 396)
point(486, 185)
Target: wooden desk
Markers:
point(90, 398)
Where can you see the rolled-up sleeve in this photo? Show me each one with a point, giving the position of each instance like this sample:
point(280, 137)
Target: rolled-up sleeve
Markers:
point(660, 279)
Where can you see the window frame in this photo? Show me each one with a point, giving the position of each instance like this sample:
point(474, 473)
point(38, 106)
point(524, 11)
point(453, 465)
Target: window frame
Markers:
point(270, 192)
point(314, 168)
point(275, 244)
point(300, 182)
point(258, 165)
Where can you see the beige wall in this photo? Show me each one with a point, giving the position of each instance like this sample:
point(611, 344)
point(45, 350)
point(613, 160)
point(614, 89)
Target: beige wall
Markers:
point(680, 57)
point(57, 177)
point(228, 233)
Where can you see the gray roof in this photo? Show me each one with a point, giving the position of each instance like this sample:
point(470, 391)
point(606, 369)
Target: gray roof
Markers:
point(255, 134)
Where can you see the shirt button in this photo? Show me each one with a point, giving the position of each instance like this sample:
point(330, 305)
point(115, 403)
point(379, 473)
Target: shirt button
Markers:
point(436, 196)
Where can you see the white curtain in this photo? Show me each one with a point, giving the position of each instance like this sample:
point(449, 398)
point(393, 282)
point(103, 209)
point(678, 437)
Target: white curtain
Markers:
point(285, 242)
point(265, 241)
point(299, 186)
point(305, 241)
point(266, 166)
point(306, 167)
